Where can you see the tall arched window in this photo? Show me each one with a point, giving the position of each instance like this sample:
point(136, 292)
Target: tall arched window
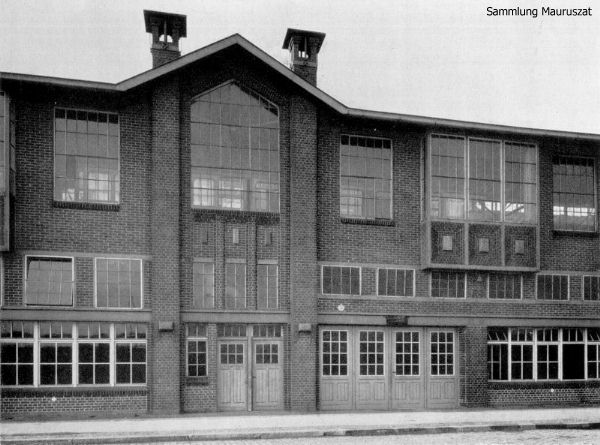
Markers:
point(235, 150)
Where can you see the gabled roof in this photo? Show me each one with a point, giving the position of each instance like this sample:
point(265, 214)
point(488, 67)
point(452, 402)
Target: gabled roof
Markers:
point(318, 94)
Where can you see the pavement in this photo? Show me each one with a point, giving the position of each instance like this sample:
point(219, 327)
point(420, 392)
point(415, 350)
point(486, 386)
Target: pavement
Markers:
point(199, 427)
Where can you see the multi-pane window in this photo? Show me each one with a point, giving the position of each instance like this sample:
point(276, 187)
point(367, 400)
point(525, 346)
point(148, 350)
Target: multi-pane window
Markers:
point(498, 178)
point(231, 330)
point(49, 281)
point(235, 150)
point(574, 197)
point(267, 286)
point(593, 353)
point(235, 285)
point(552, 287)
point(441, 347)
point(61, 353)
point(16, 353)
point(543, 354)
point(130, 356)
point(371, 354)
point(485, 185)
point(395, 282)
point(407, 353)
point(335, 353)
point(118, 283)
point(204, 284)
point(267, 353)
point(232, 354)
point(339, 280)
point(86, 156)
point(267, 331)
point(196, 339)
point(365, 177)
point(504, 286)
point(591, 287)
point(93, 353)
point(445, 284)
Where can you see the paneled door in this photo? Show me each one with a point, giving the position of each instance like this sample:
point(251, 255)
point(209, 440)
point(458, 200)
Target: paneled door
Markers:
point(267, 375)
point(408, 371)
point(442, 383)
point(370, 370)
point(336, 377)
point(232, 376)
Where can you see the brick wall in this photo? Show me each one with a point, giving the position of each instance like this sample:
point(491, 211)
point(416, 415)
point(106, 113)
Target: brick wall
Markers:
point(544, 394)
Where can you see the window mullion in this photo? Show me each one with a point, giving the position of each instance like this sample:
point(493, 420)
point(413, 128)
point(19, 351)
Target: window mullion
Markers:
point(509, 355)
point(534, 356)
point(112, 355)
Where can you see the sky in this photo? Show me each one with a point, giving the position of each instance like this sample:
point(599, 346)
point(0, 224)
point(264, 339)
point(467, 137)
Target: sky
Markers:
point(438, 58)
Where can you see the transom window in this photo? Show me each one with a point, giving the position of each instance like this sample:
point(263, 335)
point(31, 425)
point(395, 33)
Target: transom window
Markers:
point(86, 156)
point(335, 353)
point(574, 197)
point(196, 340)
point(543, 354)
point(395, 282)
point(552, 287)
point(118, 283)
point(72, 354)
point(504, 286)
point(235, 150)
point(341, 280)
point(365, 177)
point(49, 281)
point(483, 180)
point(204, 284)
point(445, 284)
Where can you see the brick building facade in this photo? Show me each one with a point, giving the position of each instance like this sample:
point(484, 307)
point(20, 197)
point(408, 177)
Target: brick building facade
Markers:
point(218, 234)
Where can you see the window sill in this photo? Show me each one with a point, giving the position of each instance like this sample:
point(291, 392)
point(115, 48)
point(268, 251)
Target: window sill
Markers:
point(237, 213)
point(368, 222)
point(197, 381)
point(86, 206)
point(574, 233)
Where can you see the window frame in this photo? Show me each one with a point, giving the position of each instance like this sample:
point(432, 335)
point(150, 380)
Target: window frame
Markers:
point(391, 209)
point(466, 192)
point(204, 261)
point(237, 263)
point(25, 276)
point(592, 278)
point(551, 274)
point(448, 271)
point(86, 110)
point(267, 264)
point(396, 269)
point(506, 275)
point(595, 192)
point(347, 353)
point(141, 283)
point(37, 342)
point(197, 339)
point(343, 266)
point(534, 342)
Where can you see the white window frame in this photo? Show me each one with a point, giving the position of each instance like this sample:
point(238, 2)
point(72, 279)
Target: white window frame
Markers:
point(395, 354)
point(454, 352)
point(87, 110)
point(466, 191)
point(348, 353)
point(141, 283)
point(349, 135)
point(395, 268)
point(447, 298)
point(74, 342)
point(26, 272)
point(195, 338)
point(342, 266)
point(551, 274)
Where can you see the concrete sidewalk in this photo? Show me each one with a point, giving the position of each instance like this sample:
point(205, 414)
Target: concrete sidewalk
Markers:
point(256, 426)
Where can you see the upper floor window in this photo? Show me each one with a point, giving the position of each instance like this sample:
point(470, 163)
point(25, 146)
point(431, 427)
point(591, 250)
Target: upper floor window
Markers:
point(447, 284)
point(3, 141)
point(235, 285)
point(267, 283)
point(86, 156)
point(591, 287)
point(49, 281)
point(574, 197)
point(338, 280)
point(483, 180)
point(234, 150)
point(203, 284)
point(365, 177)
point(118, 283)
point(552, 287)
point(395, 282)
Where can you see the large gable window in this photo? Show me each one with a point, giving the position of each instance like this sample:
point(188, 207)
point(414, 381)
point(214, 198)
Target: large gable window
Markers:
point(574, 198)
point(235, 150)
point(482, 179)
point(86, 156)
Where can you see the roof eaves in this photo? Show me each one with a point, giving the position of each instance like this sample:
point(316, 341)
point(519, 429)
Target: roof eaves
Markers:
point(58, 81)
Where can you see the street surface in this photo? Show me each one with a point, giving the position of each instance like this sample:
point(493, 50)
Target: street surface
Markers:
point(531, 437)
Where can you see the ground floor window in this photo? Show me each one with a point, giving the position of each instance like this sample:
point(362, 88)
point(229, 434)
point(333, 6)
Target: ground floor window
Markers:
point(196, 344)
point(72, 354)
point(543, 353)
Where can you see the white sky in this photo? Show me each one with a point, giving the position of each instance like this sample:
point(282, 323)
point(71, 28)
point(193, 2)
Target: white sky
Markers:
point(441, 58)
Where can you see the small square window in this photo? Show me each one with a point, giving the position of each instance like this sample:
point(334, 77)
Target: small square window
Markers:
point(447, 242)
point(519, 247)
point(484, 245)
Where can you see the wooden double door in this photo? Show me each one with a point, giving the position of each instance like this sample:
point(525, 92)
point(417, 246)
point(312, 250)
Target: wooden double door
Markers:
point(250, 374)
point(388, 368)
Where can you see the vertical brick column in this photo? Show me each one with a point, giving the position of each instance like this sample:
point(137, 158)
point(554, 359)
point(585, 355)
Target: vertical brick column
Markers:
point(164, 384)
point(219, 263)
point(475, 372)
point(303, 252)
point(251, 262)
